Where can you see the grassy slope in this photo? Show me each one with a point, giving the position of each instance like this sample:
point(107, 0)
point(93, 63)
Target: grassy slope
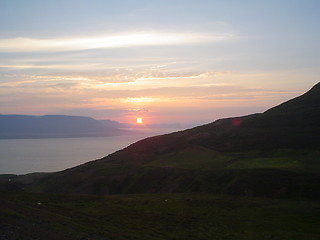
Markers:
point(278, 173)
point(154, 217)
point(278, 149)
point(216, 158)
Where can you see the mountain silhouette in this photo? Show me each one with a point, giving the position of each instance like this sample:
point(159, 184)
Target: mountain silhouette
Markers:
point(292, 124)
point(275, 153)
point(308, 102)
point(55, 126)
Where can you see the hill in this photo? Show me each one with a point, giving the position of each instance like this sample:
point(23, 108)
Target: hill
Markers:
point(271, 154)
point(55, 126)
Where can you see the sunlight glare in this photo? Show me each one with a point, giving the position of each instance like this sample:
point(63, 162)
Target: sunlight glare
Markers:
point(139, 120)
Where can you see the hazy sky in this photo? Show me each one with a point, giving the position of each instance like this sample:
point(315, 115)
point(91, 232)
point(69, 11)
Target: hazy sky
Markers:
point(163, 60)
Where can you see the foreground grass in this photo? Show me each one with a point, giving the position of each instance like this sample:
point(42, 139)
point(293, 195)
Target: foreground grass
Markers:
point(154, 217)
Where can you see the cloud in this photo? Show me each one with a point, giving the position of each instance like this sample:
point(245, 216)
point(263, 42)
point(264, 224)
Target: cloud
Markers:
point(134, 39)
point(112, 79)
point(128, 91)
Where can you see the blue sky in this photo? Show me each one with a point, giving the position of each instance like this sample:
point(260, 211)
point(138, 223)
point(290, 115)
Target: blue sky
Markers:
point(165, 61)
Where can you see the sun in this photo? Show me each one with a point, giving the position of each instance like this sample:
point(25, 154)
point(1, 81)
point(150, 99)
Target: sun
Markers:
point(139, 120)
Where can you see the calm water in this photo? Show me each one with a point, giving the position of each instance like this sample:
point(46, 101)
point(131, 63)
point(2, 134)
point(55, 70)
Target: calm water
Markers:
point(20, 156)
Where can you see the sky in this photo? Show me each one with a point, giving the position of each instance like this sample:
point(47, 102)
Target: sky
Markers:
point(165, 61)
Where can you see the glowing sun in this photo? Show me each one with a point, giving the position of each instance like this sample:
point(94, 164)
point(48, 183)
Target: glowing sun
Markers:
point(139, 120)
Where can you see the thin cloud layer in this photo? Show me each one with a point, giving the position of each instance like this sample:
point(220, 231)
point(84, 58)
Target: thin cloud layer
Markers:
point(167, 60)
point(124, 40)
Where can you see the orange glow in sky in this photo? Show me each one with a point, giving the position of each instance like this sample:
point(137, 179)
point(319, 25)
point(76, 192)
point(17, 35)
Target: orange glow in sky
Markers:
point(204, 61)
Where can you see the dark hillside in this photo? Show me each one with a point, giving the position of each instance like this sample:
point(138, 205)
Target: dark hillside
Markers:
point(308, 102)
point(272, 154)
point(291, 124)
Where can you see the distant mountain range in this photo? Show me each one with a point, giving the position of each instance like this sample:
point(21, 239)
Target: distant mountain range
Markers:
point(16, 126)
point(56, 126)
point(271, 154)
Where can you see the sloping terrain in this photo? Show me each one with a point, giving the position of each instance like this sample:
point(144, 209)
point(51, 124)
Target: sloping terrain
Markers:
point(192, 173)
point(272, 154)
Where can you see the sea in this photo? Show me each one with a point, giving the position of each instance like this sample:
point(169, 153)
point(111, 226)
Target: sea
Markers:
point(22, 156)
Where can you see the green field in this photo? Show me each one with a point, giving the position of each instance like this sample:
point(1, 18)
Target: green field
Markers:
point(201, 158)
point(155, 217)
